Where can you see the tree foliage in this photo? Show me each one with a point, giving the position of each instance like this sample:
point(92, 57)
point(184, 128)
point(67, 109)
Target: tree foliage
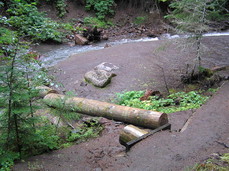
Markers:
point(195, 17)
point(29, 22)
point(102, 8)
point(20, 134)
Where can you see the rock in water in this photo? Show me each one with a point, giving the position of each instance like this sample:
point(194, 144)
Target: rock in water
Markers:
point(80, 40)
point(99, 78)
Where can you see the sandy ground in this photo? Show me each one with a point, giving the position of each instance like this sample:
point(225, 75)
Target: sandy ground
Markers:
point(139, 68)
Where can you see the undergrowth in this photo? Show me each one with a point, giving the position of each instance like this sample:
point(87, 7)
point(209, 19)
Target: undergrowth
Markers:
point(68, 136)
point(93, 21)
point(31, 23)
point(219, 164)
point(174, 102)
point(102, 8)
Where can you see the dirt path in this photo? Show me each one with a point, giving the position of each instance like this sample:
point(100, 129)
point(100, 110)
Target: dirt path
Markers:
point(175, 151)
point(139, 69)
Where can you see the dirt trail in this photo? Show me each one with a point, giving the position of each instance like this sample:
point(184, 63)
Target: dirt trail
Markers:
point(139, 69)
point(175, 151)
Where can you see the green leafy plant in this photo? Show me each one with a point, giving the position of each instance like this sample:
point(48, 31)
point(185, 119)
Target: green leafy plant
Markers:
point(93, 21)
point(61, 7)
point(89, 130)
point(22, 132)
point(102, 8)
point(174, 102)
point(31, 23)
point(140, 20)
point(7, 159)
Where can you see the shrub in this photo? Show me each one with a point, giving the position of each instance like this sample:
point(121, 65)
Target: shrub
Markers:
point(140, 20)
point(102, 8)
point(92, 21)
point(31, 23)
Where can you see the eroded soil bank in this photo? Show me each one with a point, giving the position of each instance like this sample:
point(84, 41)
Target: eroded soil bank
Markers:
point(139, 68)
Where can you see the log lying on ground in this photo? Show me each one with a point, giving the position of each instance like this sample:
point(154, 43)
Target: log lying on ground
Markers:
point(129, 133)
point(44, 90)
point(140, 117)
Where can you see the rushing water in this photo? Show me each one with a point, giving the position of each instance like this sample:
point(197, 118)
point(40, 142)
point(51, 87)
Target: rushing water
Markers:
point(52, 54)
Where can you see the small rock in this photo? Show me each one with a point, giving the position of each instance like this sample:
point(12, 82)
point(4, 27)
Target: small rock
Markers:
point(104, 37)
point(98, 169)
point(106, 67)
point(76, 82)
point(80, 40)
point(83, 84)
point(106, 45)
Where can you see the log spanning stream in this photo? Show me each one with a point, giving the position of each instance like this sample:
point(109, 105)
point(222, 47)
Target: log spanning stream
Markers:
point(52, 54)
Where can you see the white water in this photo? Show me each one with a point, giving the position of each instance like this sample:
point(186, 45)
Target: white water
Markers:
point(56, 55)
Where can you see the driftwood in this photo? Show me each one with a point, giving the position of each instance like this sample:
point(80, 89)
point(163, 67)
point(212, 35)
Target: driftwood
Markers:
point(44, 90)
point(129, 133)
point(140, 117)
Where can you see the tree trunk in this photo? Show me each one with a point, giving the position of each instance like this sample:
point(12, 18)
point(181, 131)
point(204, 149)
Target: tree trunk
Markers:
point(44, 90)
point(140, 117)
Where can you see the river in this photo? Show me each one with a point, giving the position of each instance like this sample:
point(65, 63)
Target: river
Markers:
point(54, 53)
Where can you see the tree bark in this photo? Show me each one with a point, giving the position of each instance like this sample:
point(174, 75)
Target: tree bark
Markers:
point(140, 117)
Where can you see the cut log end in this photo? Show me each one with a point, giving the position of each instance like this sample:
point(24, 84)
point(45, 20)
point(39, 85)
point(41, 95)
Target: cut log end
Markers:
point(129, 133)
point(163, 119)
point(44, 90)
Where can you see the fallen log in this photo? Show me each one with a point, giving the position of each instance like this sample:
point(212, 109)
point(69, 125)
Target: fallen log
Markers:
point(129, 133)
point(140, 117)
point(44, 90)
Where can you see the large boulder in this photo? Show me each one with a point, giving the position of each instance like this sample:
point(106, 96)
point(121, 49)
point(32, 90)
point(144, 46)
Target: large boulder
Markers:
point(80, 40)
point(101, 75)
point(99, 78)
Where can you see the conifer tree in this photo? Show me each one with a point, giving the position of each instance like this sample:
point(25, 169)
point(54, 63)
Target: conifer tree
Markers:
point(195, 17)
point(21, 131)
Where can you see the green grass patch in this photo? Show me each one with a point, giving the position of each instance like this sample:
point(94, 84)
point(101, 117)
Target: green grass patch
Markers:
point(140, 20)
point(174, 102)
point(93, 21)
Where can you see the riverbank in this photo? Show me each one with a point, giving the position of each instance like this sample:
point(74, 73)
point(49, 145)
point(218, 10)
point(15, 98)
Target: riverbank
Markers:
point(139, 66)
